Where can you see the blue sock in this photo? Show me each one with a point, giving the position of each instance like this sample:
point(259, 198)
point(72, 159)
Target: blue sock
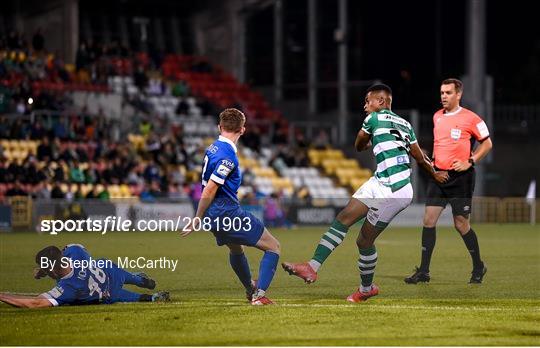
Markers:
point(267, 269)
point(123, 295)
point(240, 265)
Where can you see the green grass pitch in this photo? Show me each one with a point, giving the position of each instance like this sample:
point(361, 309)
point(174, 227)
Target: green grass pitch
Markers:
point(208, 305)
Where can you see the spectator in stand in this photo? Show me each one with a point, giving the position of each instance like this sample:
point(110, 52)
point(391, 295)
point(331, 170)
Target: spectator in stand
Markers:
point(300, 158)
point(207, 108)
point(78, 195)
point(140, 79)
point(252, 139)
point(56, 192)
point(167, 155)
point(280, 136)
point(42, 191)
point(58, 174)
point(104, 195)
point(176, 192)
point(145, 128)
point(182, 108)
point(248, 178)
point(151, 192)
point(180, 89)
point(151, 172)
point(195, 194)
point(76, 174)
point(44, 150)
point(15, 171)
point(321, 141)
point(176, 175)
point(92, 194)
point(278, 163)
point(118, 172)
point(70, 193)
point(249, 198)
point(301, 141)
point(4, 172)
point(16, 190)
point(31, 174)
point(37, 131)
point(301, 194)
point(60, 130)
point(147, 195)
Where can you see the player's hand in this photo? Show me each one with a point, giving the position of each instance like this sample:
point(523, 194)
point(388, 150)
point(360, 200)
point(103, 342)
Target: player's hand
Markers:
point(39, 273)
point(461, 166)
point(187, 229)
point(190, 227)
point(441, 176)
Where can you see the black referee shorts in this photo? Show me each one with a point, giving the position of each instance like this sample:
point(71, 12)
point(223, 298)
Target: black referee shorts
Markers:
point(457, 191)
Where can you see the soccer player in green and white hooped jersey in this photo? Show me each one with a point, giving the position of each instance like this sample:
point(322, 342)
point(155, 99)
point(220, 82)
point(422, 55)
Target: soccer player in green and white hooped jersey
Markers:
point(381, 198)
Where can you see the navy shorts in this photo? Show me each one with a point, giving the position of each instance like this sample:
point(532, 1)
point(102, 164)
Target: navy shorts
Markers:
point(235, 226)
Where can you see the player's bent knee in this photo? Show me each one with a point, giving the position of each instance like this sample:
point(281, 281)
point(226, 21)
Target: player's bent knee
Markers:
point(269, 243)
point(430, 221)
point(277, 247)
point(462, 227)
point(236, 249)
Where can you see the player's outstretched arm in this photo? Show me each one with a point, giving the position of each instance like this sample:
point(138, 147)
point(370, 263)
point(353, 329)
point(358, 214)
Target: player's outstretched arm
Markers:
point(207, 197)
point(25, 301)
point(425, 164)
point(362, 141)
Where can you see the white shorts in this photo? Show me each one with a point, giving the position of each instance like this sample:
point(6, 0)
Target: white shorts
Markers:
point(383, 204)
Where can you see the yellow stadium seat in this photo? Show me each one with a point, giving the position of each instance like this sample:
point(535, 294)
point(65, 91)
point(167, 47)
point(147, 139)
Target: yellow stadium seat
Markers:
point(124, 190)
point(13, 144)
point(5, 144)
point(264, 172)
point(70, 67)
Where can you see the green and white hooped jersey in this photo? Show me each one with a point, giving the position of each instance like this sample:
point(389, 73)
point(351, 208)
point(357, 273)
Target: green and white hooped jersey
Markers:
point(391, 137)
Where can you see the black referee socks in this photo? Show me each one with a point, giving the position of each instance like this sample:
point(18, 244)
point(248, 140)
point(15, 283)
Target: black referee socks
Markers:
point(428, 244)
point(471, 241)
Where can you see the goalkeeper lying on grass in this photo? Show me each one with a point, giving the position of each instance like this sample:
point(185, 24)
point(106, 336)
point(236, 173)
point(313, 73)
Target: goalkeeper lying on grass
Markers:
point(83, 280)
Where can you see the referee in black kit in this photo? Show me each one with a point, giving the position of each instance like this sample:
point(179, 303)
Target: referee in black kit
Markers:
point(454, 130)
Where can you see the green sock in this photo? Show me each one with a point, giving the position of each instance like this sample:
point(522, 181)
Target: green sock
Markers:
point(366, 264)
point(329, 241)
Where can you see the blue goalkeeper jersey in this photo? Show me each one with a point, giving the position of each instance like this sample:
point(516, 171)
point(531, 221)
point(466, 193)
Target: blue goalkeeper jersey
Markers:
point(221, 166)
point(85, 284)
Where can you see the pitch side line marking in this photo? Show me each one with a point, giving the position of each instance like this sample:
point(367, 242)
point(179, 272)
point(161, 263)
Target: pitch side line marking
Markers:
point(369, 306)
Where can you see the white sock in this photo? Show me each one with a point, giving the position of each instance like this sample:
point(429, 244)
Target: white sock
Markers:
point(365, 288)
point(258, 294)
point(315, 265)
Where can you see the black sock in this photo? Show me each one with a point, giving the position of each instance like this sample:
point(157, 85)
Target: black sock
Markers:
point(472, 245)
point(145, 298)
point(428, 244)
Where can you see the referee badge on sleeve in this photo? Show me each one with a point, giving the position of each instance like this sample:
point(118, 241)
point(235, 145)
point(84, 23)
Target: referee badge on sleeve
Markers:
point(455, 133)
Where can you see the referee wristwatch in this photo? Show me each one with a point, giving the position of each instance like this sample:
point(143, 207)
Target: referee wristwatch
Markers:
point(471, 161)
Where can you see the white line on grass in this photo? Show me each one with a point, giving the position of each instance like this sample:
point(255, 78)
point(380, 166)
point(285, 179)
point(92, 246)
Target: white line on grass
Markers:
point(371, 306)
